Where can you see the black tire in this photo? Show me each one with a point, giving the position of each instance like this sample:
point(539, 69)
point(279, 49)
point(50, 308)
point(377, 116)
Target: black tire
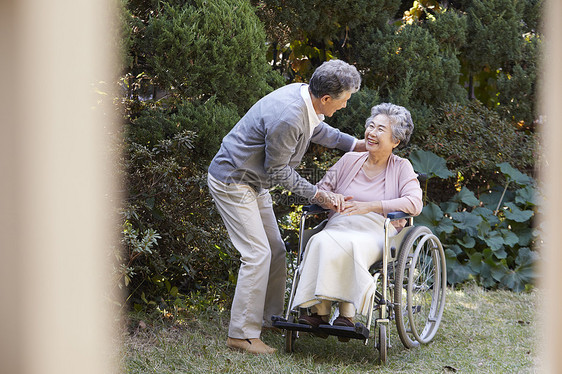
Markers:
point(382, 344)
point(420, 286)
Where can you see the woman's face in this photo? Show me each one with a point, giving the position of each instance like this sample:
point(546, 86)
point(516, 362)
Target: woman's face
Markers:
point(378, 136)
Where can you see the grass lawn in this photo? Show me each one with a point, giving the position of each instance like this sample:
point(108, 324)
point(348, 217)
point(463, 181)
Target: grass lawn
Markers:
point(481, 332)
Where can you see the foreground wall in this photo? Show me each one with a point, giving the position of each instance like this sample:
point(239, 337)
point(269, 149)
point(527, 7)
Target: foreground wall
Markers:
point(55, 188)
point(551, 176)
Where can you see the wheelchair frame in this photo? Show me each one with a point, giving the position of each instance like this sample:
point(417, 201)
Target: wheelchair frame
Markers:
point(401, 255)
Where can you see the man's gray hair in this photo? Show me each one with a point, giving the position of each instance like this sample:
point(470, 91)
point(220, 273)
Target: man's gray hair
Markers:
point(334, 78)
point(400, 121)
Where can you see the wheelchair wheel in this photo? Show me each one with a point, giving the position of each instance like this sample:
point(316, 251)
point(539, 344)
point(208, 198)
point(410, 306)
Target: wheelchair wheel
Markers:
point(382, 344)
point(290, 337)
point(419, 290)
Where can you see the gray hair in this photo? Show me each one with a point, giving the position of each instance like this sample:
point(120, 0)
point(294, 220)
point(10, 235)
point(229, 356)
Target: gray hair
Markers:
point(400, 121)
point(334, 78)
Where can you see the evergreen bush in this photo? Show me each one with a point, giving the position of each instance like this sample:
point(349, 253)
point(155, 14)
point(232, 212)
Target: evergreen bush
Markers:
point(473, 139)
point(200, 49)
point(210, 120)
point(174, 238)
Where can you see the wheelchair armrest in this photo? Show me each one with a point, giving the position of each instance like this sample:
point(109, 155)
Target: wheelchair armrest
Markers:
point(397, 215)
point(314, 208)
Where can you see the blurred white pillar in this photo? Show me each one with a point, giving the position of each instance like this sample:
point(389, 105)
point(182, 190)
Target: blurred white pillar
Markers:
point(551, 175)
point(55, 179)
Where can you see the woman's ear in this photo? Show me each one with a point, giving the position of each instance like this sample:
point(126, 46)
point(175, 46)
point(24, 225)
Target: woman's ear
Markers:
point(396, 144)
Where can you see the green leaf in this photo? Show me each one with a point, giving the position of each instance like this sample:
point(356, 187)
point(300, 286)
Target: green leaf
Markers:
point(467, 241)
point(466, 197)
point(467, 221)
point(518, 278)
point(491, 199)
point(525, 236)
point(457, 273)
point(510, 239)
point(494, 240)
point(525, 196)
point(453, 251)
point(449, 207)
point(433, 218)
point(526, 257)
point(429, 163)
point(514, 174)
point(487, 215)
point(486, 278)
point(475, 262)
point(516, 214)
point(499, 272)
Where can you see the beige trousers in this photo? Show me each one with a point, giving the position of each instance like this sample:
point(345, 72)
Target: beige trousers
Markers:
point(252, 227)
point(324, 308)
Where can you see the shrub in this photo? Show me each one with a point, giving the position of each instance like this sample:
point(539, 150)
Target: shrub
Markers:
point(210, 120)
point(175, 238)
point(473, 139)
point(488, 237)
point(201, 49)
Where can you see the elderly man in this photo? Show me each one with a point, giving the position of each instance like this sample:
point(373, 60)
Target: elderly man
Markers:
point(261, 151)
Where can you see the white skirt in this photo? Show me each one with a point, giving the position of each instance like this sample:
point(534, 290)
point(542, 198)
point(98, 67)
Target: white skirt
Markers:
point(336, 261)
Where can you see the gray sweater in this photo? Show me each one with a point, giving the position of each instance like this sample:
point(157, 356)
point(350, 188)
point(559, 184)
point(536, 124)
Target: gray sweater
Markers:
point(266, 145)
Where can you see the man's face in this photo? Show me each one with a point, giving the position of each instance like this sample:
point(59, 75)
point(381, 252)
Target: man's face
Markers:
point(331, 105)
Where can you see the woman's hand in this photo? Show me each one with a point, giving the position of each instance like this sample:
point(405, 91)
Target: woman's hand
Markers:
point(361, 207)
point(330, 200)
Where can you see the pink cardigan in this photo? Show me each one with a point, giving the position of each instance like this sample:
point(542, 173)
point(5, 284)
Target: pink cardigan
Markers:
point(402, 188)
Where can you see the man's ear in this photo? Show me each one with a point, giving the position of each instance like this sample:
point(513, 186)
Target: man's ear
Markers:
point(324, 99)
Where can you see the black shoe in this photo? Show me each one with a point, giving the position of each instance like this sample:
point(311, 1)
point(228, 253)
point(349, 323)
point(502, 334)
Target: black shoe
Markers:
point(314, 320)
point(343, 321)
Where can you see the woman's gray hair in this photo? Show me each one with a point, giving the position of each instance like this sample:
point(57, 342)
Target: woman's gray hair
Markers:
point(400, 121)
point(334, 78)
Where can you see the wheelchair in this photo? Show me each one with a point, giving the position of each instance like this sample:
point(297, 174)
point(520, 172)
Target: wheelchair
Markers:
point(410, 280)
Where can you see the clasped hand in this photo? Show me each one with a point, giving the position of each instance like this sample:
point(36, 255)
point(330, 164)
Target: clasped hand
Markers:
point(343, 204)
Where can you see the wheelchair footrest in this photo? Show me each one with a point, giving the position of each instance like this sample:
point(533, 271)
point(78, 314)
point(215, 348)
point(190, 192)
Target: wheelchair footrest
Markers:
point(282, 323)
point(359, 331)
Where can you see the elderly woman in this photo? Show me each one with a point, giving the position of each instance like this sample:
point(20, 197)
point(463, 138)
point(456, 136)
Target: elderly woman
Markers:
point(373, 183)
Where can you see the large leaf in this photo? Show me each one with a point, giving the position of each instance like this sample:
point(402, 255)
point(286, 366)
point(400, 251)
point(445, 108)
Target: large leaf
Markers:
point(449, 207)
point(518, 278)
point(510, 239)
point(467, 221)
point(491, 198)
point(466, 197)
point(430, 164)
point(432, 216)
point(526, 257)
point(494, 240)
point(456, 272)
point(487, 215)
point(516, 214)
point(525, 236)
point(467, 241)
point(514, 174)
point(525, 196)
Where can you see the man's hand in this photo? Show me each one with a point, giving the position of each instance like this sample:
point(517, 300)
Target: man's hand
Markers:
point(330, 200)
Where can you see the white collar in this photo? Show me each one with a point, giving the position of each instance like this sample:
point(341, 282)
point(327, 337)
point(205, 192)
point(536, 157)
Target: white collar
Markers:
point(313, 118)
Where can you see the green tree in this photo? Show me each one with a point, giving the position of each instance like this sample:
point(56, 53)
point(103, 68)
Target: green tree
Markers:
point(201, 49)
